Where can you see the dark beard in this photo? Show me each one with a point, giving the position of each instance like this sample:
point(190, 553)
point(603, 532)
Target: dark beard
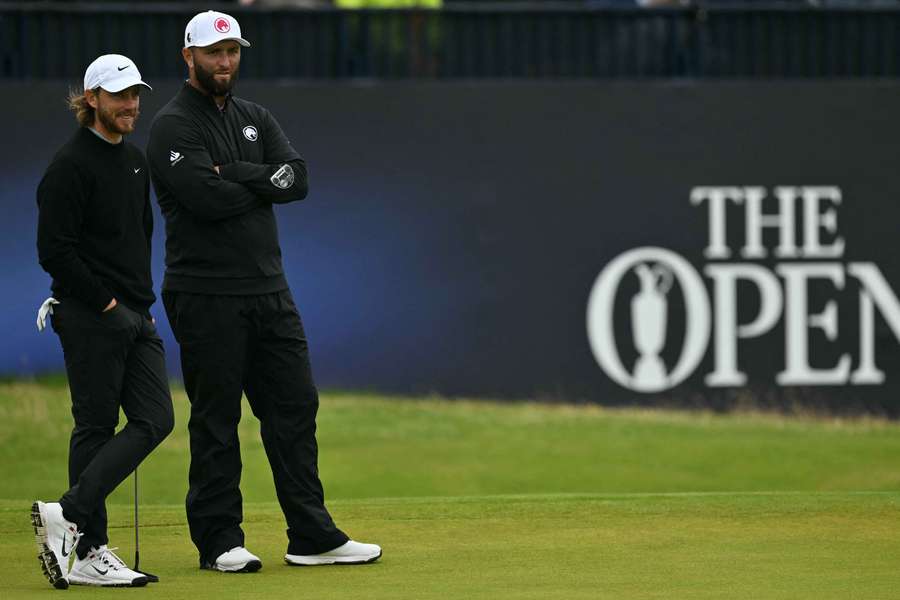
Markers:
point(108, 120)
point(207, 81)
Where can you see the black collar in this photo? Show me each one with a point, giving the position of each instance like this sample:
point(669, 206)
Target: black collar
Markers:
point(198, 98)
point(100, 145)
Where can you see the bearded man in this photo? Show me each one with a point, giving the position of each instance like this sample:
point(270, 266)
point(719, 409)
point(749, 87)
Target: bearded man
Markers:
point(218, 165)
point(94, 228)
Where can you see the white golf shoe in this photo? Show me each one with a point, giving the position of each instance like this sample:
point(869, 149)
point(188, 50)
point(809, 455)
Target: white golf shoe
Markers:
point(56, 540)
point(351, 553)
point(102, 567)
point(237, 560)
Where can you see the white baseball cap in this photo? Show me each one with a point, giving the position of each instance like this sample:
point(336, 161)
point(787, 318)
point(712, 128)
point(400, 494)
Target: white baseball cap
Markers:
point(210, 27)
point(113, 73)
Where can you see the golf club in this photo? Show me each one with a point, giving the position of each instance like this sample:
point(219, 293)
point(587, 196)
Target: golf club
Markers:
point(151, 578)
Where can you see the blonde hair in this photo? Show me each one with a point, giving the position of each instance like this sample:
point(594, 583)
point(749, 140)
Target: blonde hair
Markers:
point(77, 102)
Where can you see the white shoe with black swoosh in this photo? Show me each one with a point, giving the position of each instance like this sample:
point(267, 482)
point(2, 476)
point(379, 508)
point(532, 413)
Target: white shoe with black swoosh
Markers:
point(56, 540)
point(102, 567)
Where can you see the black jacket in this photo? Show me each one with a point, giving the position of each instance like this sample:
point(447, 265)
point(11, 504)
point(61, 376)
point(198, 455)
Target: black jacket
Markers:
point(95, 223)
point(221, 235)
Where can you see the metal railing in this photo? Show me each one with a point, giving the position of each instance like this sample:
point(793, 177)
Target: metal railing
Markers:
point(48, 40)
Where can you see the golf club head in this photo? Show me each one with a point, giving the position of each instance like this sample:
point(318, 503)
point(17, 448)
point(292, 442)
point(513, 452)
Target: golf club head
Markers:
point(151, 578)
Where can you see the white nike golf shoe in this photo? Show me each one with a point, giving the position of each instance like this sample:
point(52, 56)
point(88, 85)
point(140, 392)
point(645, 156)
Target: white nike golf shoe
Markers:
point(237, 560)
point(102, 567)
point(351, 553)
point(56, 540)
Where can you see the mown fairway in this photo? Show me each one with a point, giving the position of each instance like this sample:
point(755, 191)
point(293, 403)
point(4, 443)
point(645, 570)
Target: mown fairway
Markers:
point(474, 500)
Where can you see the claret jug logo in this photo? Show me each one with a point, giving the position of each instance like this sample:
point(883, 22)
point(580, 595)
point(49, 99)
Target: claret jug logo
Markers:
point(711, 310)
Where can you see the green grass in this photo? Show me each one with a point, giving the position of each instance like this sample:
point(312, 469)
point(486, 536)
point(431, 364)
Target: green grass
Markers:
point(484, 500)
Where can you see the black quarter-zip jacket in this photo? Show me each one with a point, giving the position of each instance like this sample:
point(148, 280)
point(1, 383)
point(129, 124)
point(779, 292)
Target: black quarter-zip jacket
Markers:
point(221, 234)
point(95, 223)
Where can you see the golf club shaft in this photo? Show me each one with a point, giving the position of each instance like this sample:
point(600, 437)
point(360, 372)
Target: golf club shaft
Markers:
point(137, 542)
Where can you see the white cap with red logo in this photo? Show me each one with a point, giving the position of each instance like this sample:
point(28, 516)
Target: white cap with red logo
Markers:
point(210, 27)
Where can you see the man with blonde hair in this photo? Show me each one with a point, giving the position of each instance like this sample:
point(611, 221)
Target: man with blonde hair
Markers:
point(94, 228)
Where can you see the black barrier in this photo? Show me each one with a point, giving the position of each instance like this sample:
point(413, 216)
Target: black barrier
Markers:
point(585, 242)
point(544, 40)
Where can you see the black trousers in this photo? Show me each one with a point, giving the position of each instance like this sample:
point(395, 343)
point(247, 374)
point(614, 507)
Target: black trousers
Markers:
point(113, 359)
point(255, 345)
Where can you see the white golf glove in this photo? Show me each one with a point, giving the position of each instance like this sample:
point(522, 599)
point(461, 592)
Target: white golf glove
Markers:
point(45, 309)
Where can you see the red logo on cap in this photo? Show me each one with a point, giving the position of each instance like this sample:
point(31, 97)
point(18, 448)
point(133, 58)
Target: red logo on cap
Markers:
point(222, 25)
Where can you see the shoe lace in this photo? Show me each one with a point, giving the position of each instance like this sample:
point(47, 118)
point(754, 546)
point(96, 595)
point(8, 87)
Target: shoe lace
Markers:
point(76, 536)
point(109, 558)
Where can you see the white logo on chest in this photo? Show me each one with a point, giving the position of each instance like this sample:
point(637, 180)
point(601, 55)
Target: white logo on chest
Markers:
point(250, 133)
